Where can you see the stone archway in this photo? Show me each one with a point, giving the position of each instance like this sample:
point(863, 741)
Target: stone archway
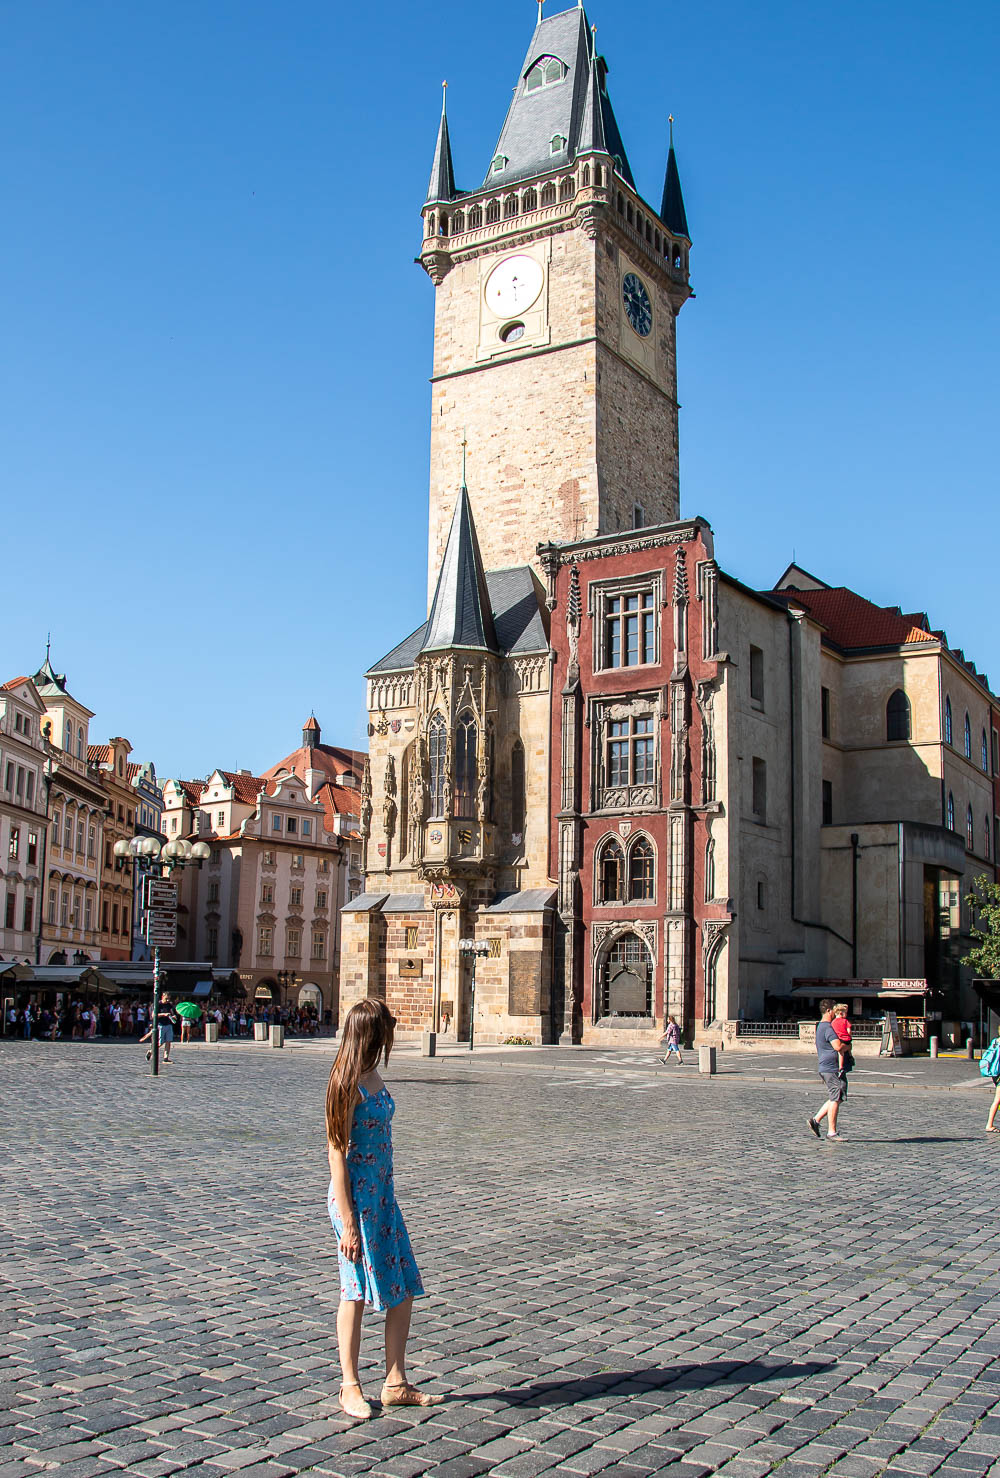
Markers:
point(624, 977)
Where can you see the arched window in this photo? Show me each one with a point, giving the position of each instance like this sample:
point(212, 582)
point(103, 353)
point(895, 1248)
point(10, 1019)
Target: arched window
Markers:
point(627, 978)
point(951, 811)
point(475, 217)
point(458, 222)
point(517, 801)
point(492, 211)
point(437, 753)
point(710, 870)
point(443, 225)
point(557, 143)
point(586, 176)
point(567, 188)
point(610, 872)
point(510, 206)
point(641, 871)
point(549, 194)
point(404, 802)
point(897, 716)
point(69, 738)
point(529, 200)
point(466, 738)
point(546, 71)
point(985, 754)
point(970, 831)
point(968, 738)
point(947, 721)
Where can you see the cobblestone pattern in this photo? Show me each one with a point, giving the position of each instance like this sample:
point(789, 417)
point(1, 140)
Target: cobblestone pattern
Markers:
point(627, 1273)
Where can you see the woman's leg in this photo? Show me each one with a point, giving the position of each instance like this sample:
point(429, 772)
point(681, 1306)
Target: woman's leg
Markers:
point(397, 1329)
point(993, 1108)
point(349, 1316)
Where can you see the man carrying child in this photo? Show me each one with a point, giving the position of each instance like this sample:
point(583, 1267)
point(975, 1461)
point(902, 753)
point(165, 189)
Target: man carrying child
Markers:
point(832, 1049)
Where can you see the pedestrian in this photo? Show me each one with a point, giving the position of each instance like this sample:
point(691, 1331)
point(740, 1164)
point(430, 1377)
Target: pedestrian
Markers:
point(842, 1027)
point(165, 1033)
point(377, 1266)
point(671, 1039)
point(830, 1052)
point(989, 1066)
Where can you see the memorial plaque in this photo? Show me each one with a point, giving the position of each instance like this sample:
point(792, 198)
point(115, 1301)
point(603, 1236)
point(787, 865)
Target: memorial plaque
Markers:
point(627, 992)
point(524, 983)
point(411, 968)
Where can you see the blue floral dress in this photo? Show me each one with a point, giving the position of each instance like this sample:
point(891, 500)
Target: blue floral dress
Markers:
point(387, 1273)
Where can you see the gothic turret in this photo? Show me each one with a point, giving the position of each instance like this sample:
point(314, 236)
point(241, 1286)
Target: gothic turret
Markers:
point(461, 615)
point(672, 212)
point(442, 181)
point(310, 732)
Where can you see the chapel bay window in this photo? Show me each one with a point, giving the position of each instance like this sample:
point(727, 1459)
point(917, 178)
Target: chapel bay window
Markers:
point(437, 753)
point(625, 875)
point(466, 741)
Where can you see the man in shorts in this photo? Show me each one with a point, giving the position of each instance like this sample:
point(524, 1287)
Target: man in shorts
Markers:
point(830, 1054)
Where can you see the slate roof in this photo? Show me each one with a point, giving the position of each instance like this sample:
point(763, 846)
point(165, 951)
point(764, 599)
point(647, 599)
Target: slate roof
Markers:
point(517, 620)
point(461, 614)
point(566, 108)
point(852, 622)
point(442, 180)
point(672, 212)
point(530, 900)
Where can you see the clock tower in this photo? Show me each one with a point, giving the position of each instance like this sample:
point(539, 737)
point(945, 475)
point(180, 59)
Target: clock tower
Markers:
point(557, 293)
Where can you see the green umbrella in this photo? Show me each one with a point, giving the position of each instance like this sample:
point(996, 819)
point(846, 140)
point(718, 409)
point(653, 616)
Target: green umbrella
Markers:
point(188, 1009)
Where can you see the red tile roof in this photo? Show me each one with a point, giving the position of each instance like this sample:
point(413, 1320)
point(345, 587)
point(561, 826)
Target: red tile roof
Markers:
point(310, 724)
point(338, 800)
point(15, 682)
point(327, 758)
point(99, 754)
point(246, 788)
point(193, 789)
point(852, 622)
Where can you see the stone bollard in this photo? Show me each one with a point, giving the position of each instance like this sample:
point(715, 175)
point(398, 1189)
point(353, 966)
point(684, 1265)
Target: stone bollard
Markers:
point(934, 1044)
point(277, 1036)
point(211, 1032)
point(968, 1048)
point(428, 1044)
point(706, 1059)
point(260, 1031)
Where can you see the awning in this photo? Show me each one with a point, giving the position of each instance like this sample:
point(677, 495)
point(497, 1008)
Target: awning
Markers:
point(864, 990)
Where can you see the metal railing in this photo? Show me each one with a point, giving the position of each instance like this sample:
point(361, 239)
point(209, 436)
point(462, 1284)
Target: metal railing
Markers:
point(767, 1029)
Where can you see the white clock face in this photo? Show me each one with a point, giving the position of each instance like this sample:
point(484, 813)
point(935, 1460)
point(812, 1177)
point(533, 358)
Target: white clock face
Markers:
point(513, 286)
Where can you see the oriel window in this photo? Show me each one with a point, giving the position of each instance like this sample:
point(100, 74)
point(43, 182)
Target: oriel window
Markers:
point(631, 760)
point(437, 751)
point(629, 635)
point(465, 765)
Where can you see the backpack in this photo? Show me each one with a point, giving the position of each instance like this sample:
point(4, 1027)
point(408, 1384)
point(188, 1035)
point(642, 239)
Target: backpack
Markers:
point(989, 1063)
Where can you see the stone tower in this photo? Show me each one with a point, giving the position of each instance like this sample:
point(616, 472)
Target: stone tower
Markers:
point(557, 289)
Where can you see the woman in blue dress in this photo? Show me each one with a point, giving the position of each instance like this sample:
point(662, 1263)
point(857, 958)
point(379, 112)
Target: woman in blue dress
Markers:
point(376, 1261)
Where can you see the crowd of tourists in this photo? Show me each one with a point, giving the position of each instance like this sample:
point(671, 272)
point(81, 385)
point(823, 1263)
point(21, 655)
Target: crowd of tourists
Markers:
point(83, 1020)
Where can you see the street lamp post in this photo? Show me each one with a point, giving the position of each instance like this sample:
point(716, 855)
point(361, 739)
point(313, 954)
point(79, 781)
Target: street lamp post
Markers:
point(151, 858)
point(474, 949)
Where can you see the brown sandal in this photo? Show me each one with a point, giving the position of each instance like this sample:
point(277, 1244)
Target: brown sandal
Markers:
point(355, 1406)
point(401, 1393)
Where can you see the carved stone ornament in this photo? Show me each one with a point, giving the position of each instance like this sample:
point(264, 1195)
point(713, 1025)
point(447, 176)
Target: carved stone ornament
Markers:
point(712, 931)
point(624, 828)
point(602, 934)
point(389, 808)
point(445, 894)
point(366, 800)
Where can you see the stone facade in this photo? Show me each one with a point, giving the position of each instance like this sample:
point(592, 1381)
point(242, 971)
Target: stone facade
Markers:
point(23, 796)
point(116, 873)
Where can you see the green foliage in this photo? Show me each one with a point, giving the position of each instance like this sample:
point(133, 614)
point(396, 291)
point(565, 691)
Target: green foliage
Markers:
point(984, 902)
point(517, 1041)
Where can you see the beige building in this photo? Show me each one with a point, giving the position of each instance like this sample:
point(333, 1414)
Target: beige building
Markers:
point(285, 855)
point(23, 791)
point(77, 805)
point(116, 776)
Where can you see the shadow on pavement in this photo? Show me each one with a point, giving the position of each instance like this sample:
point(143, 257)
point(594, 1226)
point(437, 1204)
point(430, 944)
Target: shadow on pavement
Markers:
point(655, 1378)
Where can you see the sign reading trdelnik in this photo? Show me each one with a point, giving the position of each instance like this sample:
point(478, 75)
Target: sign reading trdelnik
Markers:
point(911, 987)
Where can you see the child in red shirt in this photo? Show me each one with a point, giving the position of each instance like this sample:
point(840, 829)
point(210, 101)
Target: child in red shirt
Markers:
point(842, 1027)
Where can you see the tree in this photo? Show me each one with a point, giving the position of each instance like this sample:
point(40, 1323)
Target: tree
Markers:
point(984, 903)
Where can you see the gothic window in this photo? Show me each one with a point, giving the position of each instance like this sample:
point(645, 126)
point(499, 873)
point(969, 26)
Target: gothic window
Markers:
point(529, 200)
point(897, 716)
point(492, 211)
point(549, 194)
point(517, 798)
point(968, 738)
point(628, 629)
point(69, 738)
point(546, 71)
point(630, 758)
point(641, 871)
point(951, 811)
point(404, 801)
point(610, 872)
point(465, 765)
point(458, 222)
point(970, 830)
point(985, 754)
point(710, 870)
point(567, 188)
point(475, 217)
point(437, 750)
point(627, 978)
point(586, 176)
point(443, 225)
point(510, 206)
point(947, 721)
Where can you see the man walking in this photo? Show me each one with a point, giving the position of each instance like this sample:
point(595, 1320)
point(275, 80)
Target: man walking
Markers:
point(830, 1054)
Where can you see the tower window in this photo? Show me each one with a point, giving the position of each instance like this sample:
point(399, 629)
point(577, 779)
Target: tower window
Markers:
point(638, 516)
point(499, 164)
point(947, 721)
point(512, 333)
point(437, 752)
point(827, 802)
point(824, 712)
point(466, 743)
point(897, 716)
point(557, 143)
point(758, 798)
point(517, 791)
point(546, 71)
point(757, 676)
point(968, 738)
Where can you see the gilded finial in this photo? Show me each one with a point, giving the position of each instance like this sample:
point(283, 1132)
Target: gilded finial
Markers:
point(671, 122)
point(540, 4)
point(465, 443)
point(48, 644)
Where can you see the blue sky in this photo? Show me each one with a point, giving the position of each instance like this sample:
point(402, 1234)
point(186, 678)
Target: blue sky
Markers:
point(215, 346)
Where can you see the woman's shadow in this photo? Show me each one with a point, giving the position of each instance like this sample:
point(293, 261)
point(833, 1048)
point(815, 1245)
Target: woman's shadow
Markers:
point(653, 1378)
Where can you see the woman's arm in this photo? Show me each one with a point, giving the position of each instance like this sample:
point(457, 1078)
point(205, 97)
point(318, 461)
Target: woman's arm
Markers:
point(350, 1240)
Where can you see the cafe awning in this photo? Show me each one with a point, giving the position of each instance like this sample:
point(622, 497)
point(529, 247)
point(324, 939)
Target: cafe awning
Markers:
point(865, 990)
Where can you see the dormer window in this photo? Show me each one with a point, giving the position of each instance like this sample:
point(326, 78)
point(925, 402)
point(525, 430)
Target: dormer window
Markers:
point(499, 164)
point(546, 71)
point(557, 144)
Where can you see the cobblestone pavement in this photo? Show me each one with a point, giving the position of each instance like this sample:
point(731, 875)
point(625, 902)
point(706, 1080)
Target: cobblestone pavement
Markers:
point(629, 1270)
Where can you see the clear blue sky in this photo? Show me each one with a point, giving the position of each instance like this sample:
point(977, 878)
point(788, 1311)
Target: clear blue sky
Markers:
point(215, 344)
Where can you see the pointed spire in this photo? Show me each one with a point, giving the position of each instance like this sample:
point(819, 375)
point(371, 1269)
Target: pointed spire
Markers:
point(461, 613)
point(591, 139)
point(442, 181)
point(672, 209)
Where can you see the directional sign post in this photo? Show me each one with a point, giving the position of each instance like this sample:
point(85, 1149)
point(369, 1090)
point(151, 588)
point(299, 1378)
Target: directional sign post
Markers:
point(161, 894)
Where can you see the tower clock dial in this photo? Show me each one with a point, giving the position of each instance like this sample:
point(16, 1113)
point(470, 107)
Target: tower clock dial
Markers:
point(638, 309)
point(513, 286)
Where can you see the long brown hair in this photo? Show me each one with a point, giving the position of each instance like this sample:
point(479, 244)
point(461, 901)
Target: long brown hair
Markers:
point(368, 1033)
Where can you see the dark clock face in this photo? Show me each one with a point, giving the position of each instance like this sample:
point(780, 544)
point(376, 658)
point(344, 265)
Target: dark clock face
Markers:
point(638, 309)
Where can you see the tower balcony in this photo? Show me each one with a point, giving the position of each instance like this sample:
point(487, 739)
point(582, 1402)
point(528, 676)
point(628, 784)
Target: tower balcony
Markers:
point(585, 193)
point(459, 842)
